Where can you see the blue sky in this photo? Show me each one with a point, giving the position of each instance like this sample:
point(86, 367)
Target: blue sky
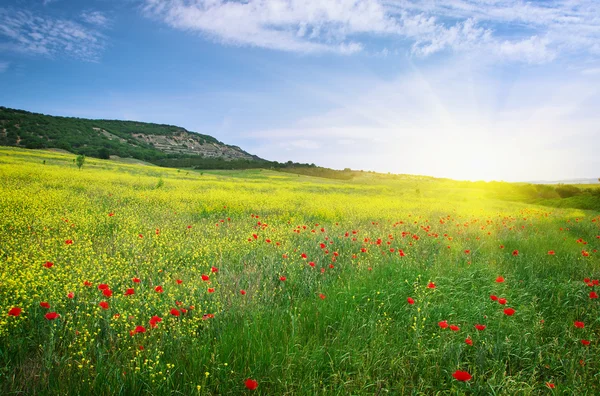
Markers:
point(468, 89)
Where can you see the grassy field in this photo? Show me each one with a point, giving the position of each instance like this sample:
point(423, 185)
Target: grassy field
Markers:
point(189, 282)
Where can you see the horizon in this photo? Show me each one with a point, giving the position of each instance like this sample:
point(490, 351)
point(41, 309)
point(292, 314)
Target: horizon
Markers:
point(467, 90)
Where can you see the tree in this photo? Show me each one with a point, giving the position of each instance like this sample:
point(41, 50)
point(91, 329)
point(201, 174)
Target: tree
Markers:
point(80, 160)
point(104, 153)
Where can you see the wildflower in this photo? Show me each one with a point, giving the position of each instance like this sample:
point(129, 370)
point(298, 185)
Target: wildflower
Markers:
point(51, 315)
point(71, 295)
point(214, 269)
point(205, 277)
point(454, 328)
point(140, 329)
point(480, 327)
point(251, 384)
point(48, 264)
point(14, 311)
point(175, 312)
point(243, 292)
point(550, 385)
point(211, 290)
point(129, 292)
point(410, 301)
point(579, 325)
point(593, 294)
point(282, 278)
point(499, 279)
point(509, 311)
point(107, 292)
point(502, 301)
point(431, 285)
point(585, 342)
point(158, 289)
point(178, 281)
point(494, 298)
point(515, 253)
point(136, 280)
point(462, 375)
point(103, 305)
point(443, 324)
point(469, 341)
point(322, 296)
point(44, 304)
point(102, 286)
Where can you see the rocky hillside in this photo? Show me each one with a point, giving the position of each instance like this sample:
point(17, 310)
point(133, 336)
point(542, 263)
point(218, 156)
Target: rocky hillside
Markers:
point(105, 138)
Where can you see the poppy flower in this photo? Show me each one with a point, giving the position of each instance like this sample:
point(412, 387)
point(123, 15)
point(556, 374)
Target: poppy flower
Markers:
point(303, 255)
point(87, 283)
point(158, 289)
point(103, 305)
point(593, 295)
point(282, 278)
point(551, 252)
point(579, 325)
point(14, 311)
point(251, 384)
point(48, 264)
point(462, 375)
point(443, 324)
point(585, 342)
point(515, 253)
point(107, 292)
point(550, 385)
point(178, 281)
point(469, 341)
point(71, 295)
point(102, 286)
point(431, 285)
point(69, 242)
point(51, 315)
point(494, 298)
point(502, 301)
point(312, 264)
point(211, 290)
point(154, 320)
point(129, 292)
point(410, 301)
point(205, 277)
point(499, 279)
point(136, 280)
point(140, 329)
point(454, 328)
point(243, 292)
point(509, 311)
point(214, 269)
point(44, 304)
point(480, 327)
point(175, 312)
point(322, 296)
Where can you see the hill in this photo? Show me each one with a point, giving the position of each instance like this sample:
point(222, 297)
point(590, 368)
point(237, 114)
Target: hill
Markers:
point(105, 138)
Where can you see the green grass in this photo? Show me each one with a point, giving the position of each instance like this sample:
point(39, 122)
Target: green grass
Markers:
point(363, 338)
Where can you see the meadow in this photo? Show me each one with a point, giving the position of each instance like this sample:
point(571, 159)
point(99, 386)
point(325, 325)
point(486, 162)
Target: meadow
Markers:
point(129, 279)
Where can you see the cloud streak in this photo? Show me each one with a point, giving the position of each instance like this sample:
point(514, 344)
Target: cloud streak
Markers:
point(26, 32)
point(548, 29)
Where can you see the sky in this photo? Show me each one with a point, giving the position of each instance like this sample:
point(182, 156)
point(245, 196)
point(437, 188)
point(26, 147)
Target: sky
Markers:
point(466, 89)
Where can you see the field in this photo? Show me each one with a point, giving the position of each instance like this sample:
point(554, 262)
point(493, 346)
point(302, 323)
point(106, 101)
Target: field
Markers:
point(167, 281)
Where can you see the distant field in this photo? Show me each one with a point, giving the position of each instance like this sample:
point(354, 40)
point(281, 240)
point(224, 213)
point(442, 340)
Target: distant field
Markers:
point(169, 281)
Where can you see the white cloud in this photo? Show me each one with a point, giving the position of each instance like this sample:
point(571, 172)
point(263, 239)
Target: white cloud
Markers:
point(547, 29)
point(94, 18)
point(30, 33)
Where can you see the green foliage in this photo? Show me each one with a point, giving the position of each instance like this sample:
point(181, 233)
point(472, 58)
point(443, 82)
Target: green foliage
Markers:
point(80, 160)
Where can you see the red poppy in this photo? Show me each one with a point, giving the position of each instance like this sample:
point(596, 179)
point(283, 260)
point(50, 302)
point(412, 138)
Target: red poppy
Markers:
point(579, 325)
point(551, 252)
point(178, 281)
point(494, 298)
point(214, 269)
point(175, 312)
point(454, 328)
point(499, 279)
point(136, 280)
point(51, 315)
point(158, 289)
point(102, 286)
point(462, 375)
point(107, 292)
point(502, 301)
point(205, 277)
point(211, 290)
point(14, 311)
point(515, 253)
point(480, 327)
point(141, 347)
point(87, 283)
point(593, 294)
point(48, 264)
point(71, 295)
point(69, 242)
point(303, 255)
point(585, 342)
point(243, 292)
point(322, 296)
point(410, 301)
point(550, 385)
point(282, 278)
point(103, 305)
point(443, 324)
point(140, 329)
point(44, 304)
point(509, 311)
point(431, 285)
point(154, 320)
point(251, 384)
point(312, 264)
point(469, 341)
point(129, 292)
